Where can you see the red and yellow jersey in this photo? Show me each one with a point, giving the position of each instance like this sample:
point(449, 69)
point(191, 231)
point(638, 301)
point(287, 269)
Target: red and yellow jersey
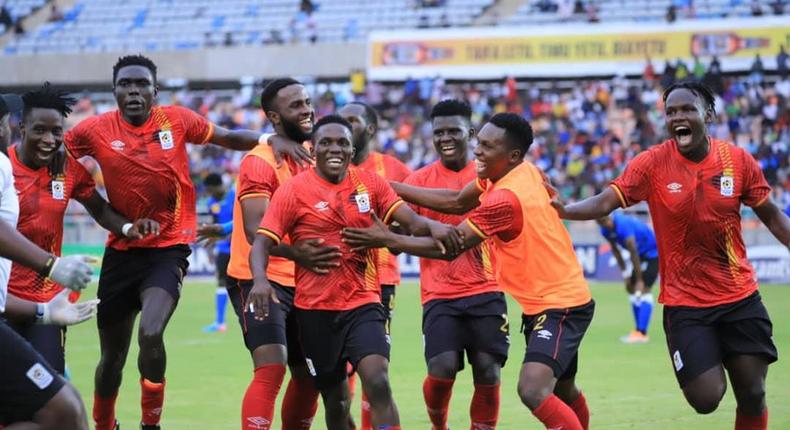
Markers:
point(696, 213)
point(473, 271)
point(536, 263)
point(391, 169)
point(43, 199)
point(146, 169)
point(259, 176)
point(309, 207)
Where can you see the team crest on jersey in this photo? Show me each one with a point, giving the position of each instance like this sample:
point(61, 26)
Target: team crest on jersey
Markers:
point(40, 376)
point(58, 189)
point(363, 202)
point(727, 186)
point(166, 139)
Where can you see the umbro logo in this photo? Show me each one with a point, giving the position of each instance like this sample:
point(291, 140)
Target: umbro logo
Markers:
point(322, 206)
point(674, 187)
point(117, 145)
point(258, 422)
point(544, 334)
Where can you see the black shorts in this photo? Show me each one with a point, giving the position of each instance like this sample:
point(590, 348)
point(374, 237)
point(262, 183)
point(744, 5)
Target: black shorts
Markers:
point(125, 274)
point(48, 340)
point(332, 338)
point(649, 272)
point(701, 338)
point(554, 336)
point(27, 381)
point(473, 323)
point(388, 300)
point(222, 259)
point(279, 327)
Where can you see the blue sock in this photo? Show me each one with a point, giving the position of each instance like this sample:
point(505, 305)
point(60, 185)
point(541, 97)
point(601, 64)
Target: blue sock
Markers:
point(645, 311)
point(634, 299)
point(222, 301)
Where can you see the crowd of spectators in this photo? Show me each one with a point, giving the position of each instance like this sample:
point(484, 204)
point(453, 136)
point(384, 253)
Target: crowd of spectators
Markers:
point(585, 131)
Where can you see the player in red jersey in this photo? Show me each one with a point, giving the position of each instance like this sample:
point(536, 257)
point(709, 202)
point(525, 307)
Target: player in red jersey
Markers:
point(46, 180)
point(364, 120)
point(274, 341)
point(535, 262)
point(464, 310)
point(32, 394)
point(340, 315)
point(141, 149)
point(714, 317)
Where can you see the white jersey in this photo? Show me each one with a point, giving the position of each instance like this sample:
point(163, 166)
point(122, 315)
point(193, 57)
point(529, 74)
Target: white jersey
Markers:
point(9, 213)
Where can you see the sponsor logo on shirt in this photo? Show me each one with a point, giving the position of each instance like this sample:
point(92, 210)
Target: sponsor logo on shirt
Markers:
point(674, 187)
point(40, 376)
point(117, 145)
point(321, 206)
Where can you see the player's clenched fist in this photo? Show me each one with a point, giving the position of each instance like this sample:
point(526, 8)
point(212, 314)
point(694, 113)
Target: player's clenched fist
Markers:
point(73, 272)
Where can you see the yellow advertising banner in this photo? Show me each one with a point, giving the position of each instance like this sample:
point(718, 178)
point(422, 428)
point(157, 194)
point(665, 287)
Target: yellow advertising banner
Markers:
point(597, 46)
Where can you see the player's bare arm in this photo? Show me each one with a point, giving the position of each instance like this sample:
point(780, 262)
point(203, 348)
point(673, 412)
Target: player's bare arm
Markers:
point(594, 207)
point(441, 200)
point(776, 221)
point(378, 235)
point(107, 217)
point(262, 293)
point(447, 235)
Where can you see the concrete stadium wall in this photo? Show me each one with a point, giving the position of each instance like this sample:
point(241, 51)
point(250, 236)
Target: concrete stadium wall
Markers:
point(213, 64)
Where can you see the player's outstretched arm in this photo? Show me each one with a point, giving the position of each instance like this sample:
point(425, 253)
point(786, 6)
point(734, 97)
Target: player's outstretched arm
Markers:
point(239, 140)
point(107, 217)
point(594, 207)
point(72, 272)
point(378, 235)
point(58, 311)
point(441, 200)
point(776, 220)
point(448, 236)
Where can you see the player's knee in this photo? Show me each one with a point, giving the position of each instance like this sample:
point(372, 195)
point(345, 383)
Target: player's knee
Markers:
point(487, 374)
point(532, 395)
point(751, 398)
point(705, 403)
point(440, 368)
point(377, 387)
point(150, 337)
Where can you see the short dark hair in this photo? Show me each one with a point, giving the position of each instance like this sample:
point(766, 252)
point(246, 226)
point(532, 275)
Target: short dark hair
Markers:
point(452, 107)
point(271, 89)
point(331, 119)
point(518, 132)
point(698, 89)
point(371, 117)
point(48, 97)
point(133, 60)
point(212, 180)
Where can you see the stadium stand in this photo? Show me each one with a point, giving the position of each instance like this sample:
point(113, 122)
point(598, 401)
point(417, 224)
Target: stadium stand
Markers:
point(162, 25)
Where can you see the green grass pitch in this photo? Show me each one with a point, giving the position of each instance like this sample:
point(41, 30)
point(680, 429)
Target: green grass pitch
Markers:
point(627, 386)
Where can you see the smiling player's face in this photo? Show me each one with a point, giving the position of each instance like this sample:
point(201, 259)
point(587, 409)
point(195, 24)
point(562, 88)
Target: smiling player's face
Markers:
point(42, 136)
point(333, 150)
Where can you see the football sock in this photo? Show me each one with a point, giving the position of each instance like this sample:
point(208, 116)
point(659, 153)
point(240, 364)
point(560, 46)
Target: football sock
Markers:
point(104, 412)
point(745, 422)
point(153, 397)
point(645, 311)
point(221, 299)
point(299, 404)
point(634, 299)
point(257, 407)
point(437, 393)
point(484, 410)
point(556, 415)
point(581, 410)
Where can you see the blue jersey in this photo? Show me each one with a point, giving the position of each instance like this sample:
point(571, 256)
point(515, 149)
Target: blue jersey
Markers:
point(222, 212)
point(627, 226)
